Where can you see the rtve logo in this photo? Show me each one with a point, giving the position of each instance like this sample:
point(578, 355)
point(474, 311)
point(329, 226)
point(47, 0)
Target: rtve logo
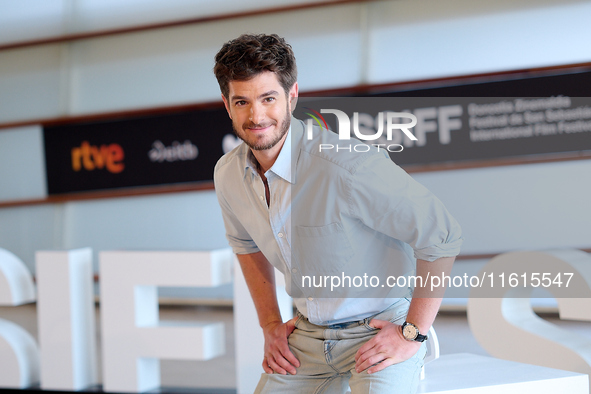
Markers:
point(92, 157)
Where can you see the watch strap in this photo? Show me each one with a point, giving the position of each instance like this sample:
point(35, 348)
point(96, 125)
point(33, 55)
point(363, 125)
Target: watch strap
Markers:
point(419, 338)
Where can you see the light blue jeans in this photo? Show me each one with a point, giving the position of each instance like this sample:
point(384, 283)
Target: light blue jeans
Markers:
point(327, 360)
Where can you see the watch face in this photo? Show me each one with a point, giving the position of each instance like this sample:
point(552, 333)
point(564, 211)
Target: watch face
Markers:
point(409, 331)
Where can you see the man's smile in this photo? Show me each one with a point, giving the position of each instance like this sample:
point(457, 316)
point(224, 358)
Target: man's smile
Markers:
point(258, 129)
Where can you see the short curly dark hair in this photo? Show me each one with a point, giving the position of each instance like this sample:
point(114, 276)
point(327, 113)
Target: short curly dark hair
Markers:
point(248, 55)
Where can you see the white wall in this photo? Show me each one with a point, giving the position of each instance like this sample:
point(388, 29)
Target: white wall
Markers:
point(180, 221)
point(431, 38)
point(337, 46)
point(534, 206)
point(33, 19)
point(24, 230)
point(22, 164)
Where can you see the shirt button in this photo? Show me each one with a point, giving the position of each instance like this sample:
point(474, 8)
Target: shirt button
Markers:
point(262, 198)
point(294, 270)
point(310, 299)
point(280, 235)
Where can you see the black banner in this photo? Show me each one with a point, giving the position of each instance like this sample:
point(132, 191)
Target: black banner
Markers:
point(145, 151)
point(184, 147)
point(454, 129)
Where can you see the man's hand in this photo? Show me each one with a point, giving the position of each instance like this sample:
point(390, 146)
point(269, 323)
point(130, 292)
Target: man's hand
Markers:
point(278, 357)
point(387, 347)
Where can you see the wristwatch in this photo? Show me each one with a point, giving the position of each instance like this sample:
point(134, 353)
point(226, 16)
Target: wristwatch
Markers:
point(410, 332)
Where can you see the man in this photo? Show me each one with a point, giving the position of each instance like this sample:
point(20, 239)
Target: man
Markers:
point(289, 206)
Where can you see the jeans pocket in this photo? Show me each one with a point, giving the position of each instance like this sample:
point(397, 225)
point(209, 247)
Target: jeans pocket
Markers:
point(367, 326)
point(298, 320)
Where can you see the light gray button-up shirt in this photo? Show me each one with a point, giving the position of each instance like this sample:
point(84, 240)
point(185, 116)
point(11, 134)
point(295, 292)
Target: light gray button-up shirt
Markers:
point(332, 213)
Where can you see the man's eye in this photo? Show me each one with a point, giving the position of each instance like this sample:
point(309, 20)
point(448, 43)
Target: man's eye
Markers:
point(239, 103)
point(269, 99)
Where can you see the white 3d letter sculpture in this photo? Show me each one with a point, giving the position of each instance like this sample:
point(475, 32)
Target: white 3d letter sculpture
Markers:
point(19, 354)
point(65, 311)
point(134, 340)
point(509, 329)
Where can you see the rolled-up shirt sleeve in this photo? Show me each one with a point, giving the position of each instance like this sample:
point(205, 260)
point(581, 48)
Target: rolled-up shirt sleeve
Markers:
point(238, 238)
point(388, 200)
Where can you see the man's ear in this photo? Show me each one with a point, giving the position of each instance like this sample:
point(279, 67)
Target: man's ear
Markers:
point(227, 105)
point(293, 96)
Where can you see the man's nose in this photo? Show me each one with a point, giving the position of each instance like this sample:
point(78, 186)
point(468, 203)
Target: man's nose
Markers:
point(257, 113)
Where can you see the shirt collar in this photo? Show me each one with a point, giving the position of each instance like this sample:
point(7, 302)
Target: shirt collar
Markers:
point(281, 167)
point(249, 161)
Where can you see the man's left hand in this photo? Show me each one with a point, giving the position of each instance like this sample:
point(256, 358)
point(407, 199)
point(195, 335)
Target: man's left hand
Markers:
point(387, 347)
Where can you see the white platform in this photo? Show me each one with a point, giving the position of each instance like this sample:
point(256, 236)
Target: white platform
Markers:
point(472, 374)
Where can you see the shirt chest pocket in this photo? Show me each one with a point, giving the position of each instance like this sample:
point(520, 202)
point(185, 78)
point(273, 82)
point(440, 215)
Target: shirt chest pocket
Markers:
point(319, 250)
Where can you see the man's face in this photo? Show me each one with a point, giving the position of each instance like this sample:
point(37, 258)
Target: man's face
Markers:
point(260, 110)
